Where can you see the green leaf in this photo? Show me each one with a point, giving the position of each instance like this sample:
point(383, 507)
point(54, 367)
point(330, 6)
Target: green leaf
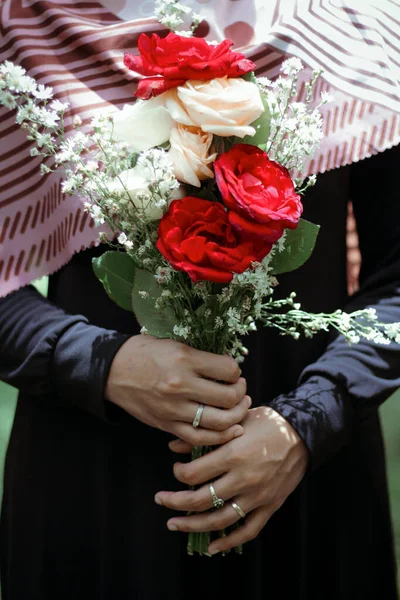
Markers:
point(116, 271)
point(261, 125)
point(224, 144)
point(299, 244)
point(205, 193)
point(158, 322)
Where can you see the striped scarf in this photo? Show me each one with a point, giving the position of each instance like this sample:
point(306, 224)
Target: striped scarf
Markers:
point(77, 48)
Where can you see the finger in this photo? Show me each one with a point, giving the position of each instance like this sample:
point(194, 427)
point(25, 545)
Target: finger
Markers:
point(217, 419)
point(216, 394)
point(203, 469)
point(215, 366)
point(208, 521)
point(197, 436)
point(198, 500)
point(252, 526)
point(180, 447)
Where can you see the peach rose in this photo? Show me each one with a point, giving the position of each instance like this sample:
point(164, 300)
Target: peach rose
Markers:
point(221, 106)
point(190, 154)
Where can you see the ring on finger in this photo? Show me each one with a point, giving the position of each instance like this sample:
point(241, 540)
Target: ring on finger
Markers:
point(217, 502)
point(239, 511)
point(199, 414)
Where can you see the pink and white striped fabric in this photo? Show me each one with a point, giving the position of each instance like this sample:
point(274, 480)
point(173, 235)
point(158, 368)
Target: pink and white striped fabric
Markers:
point(77, 48)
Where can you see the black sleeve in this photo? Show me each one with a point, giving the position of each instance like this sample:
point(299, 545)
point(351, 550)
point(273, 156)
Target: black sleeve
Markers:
point(58, 357)
point(347, 382)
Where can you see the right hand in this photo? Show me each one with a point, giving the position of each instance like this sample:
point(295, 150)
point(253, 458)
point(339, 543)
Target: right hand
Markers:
point(162, 383)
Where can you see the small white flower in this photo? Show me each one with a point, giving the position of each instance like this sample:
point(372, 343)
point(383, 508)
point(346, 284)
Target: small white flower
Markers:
point(27, 85)
point(76, 121)
point(182, 331)
point(292, 66)
point(326, 97)
point(44, 140)
point(49, 119)
point(58, 106)
point(44, 169)
point(10, 70)
point(92, 166)
point(14, 76)
point(7, 100)
point(97, 215)
point(43, 92)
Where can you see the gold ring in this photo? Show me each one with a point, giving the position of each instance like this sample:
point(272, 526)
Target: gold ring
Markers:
point(199, 413)
point(239, 511)
point(217, 502)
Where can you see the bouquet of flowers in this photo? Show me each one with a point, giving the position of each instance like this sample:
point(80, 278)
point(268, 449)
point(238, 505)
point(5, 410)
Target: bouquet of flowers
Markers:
point(198, 185)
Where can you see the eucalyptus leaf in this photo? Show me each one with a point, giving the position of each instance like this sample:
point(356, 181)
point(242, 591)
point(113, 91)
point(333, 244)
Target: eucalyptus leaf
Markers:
point(299, 245)
point(116, 272)
point(158, 322)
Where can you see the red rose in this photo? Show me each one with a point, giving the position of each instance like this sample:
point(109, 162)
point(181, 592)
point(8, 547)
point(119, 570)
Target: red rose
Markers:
point(258, 191)
point(195, 236)
point(171, 61)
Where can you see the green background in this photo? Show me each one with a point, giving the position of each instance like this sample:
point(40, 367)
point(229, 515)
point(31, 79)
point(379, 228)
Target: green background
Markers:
point(390, 413)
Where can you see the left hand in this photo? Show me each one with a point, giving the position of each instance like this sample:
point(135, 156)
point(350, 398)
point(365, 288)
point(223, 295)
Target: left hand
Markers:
point(257, 471)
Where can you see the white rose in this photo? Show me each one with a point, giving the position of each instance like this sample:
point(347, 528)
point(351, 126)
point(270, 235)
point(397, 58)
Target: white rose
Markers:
point(143, 125)
point(190, 154)
point(222, 106)
point(133, 184)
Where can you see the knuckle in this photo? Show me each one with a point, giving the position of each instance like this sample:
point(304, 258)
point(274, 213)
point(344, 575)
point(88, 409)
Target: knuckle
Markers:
point(230, 398)
point(199, 504)
point(216, 522)
point(221, 438)
point(221, 423)
point(252, 480)
point(182, 474)
point(254, 530)
point(182, 355)
point(231, 457)
point(172, 384)
point(233, 369)
point(188, 476)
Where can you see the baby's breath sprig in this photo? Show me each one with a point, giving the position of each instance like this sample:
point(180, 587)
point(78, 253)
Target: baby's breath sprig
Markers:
point(295, 127)
point(176, 16)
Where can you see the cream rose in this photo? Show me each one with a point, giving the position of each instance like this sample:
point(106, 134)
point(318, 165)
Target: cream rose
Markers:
point(133, 184)
point(190, 154)
point(221, 106)
point(143, 125)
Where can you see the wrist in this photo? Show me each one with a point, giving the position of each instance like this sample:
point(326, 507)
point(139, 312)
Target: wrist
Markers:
point(321, 413)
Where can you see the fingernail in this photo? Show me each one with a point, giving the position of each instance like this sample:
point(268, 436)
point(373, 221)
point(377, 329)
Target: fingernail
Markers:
point(238, 432)
point(249, 401)
point(213, 551)
point(157, 500)
point(172, 527)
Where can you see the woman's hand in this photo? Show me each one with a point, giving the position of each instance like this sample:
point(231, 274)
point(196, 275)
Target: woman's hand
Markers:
point(162, 383)
point(257, 471)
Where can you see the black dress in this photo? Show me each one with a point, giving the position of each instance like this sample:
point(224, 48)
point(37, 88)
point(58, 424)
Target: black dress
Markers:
point(79, 521)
